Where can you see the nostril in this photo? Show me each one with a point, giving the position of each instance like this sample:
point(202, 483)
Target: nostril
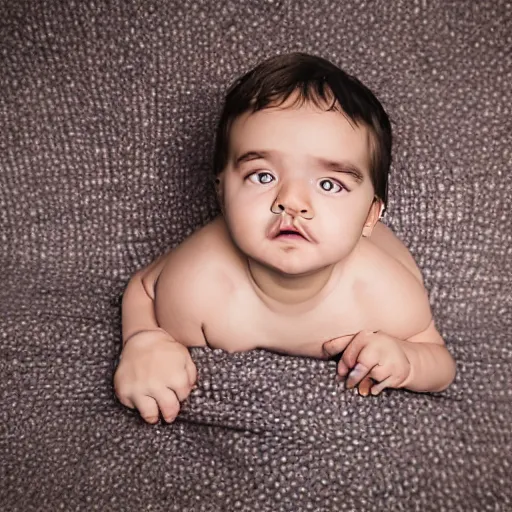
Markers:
point(281, 207)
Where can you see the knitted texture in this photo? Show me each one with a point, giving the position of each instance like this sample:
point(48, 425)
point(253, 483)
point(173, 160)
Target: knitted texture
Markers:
point(107, 116)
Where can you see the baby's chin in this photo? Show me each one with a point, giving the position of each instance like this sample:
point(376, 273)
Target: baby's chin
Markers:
point(289, 267)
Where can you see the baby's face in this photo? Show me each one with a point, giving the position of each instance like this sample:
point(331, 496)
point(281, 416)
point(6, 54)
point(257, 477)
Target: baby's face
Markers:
point(300, 169)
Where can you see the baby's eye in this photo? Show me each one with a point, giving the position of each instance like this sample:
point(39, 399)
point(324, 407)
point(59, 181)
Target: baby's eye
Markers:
point(328, 185)
point(261, 177)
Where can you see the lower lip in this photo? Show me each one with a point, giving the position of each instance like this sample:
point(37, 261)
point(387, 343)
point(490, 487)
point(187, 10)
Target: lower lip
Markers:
point(290, 237)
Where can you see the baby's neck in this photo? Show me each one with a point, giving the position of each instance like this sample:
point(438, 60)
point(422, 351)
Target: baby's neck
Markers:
point(277, 289)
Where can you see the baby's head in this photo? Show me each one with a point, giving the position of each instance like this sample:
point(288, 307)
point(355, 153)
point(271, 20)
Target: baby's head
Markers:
point(309, 79)
point(301, 162)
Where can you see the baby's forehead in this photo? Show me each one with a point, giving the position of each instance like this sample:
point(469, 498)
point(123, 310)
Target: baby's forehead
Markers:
point(299, 128)
point(294, 104)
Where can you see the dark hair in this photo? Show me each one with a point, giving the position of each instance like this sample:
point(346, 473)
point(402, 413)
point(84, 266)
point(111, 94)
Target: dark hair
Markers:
point(318, 81)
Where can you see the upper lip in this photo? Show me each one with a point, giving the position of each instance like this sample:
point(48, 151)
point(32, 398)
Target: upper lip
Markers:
point(281, 225)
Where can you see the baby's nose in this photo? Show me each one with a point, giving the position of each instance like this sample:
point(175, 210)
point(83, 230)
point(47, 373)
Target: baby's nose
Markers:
point(290, 210)
point(293, 200)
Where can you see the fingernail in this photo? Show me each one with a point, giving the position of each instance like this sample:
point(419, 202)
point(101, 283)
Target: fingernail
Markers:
point(356, 371)
point(353, 376)
point(326, 352)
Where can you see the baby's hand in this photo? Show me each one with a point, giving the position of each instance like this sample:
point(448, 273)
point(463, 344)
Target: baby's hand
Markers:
point(371, 356)
point(155, 372)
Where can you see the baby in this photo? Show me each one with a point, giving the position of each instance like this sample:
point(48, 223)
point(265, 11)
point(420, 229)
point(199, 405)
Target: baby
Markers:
point(298, 262)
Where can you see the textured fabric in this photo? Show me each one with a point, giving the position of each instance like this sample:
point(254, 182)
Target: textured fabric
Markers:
point(107, 112)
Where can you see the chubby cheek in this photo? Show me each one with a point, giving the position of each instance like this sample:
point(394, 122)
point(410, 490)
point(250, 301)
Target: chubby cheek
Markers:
point(246, 222)
point(340, 231)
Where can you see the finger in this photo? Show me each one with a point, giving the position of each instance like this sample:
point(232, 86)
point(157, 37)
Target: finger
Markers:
point(191, 369)
point(147, 408)
point(380, 373)
point(356, 375)
point(365, 385)
point(122, 389)
point(337, 345)
point(351, 354)
point(168, 404)
point(180, 385)
point(378, 388)
point(342, 369)
point(126, 401)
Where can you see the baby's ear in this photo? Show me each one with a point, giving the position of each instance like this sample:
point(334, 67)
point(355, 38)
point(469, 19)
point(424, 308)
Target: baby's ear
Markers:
point(375, 213)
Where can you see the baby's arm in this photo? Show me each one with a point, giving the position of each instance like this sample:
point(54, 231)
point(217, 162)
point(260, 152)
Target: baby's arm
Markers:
point(432, 367)
point(138, 311)
point(421, 363)
point(155, 372)
point(407, 351)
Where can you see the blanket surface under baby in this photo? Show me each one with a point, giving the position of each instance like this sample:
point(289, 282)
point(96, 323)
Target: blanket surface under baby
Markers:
point(107, 116)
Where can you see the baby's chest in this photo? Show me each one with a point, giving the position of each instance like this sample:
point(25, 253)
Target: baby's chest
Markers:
point(246, 324)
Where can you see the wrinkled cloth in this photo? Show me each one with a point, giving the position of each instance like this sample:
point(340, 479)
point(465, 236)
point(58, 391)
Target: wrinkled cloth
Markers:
point(107, 116)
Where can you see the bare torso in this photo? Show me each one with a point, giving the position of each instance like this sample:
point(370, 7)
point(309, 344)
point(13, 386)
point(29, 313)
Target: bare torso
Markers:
point(382, 291)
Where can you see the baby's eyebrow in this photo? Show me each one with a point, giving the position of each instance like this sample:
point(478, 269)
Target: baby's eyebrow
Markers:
point(342, 167)
point(251, 155)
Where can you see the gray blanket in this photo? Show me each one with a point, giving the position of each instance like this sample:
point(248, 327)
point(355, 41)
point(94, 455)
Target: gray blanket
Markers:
point(107, 111)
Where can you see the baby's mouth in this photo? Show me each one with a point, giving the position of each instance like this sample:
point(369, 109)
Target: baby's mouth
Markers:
point(282, 230)
point(289, 233)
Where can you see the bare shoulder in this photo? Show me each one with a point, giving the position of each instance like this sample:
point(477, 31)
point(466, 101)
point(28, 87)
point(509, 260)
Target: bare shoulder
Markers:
point(394, 285)
point(384, 238)
point(205, 255)
point(194, 280)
